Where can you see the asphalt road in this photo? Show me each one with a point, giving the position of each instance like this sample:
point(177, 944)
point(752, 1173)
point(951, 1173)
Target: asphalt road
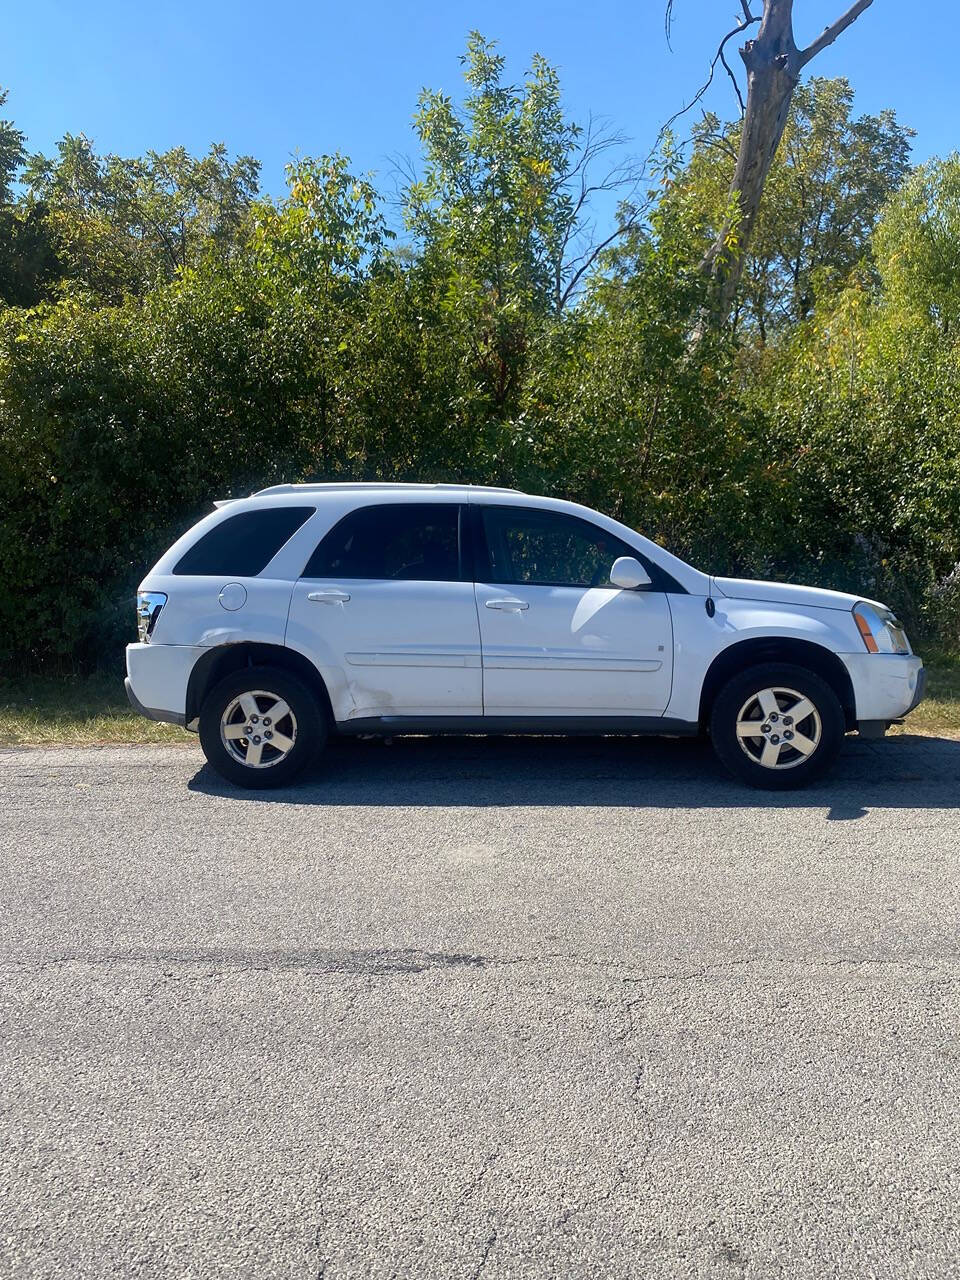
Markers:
point(480, 1009)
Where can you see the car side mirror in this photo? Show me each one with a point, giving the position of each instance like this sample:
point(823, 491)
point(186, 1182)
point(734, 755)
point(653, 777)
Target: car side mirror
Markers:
point(629, 573)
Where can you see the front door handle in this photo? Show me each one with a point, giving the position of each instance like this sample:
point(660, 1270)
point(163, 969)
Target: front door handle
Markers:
point(333, 596)
point(508, 606)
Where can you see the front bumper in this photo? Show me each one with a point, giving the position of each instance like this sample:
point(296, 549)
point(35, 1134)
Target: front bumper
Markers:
point(157, 679)
point(920, 692)
point(886, 686)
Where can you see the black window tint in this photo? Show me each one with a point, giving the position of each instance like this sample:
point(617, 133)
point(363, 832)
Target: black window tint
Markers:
point(416, 541)
point(548, 548)
point(243, 545)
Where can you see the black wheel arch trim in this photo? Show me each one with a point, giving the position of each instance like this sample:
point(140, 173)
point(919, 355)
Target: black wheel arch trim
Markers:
point(221, 660)
point(743, 654)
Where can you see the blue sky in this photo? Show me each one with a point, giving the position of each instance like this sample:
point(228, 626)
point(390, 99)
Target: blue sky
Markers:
point(321, 77)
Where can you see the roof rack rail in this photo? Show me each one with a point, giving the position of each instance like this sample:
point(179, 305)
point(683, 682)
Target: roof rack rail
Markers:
point(321, 486)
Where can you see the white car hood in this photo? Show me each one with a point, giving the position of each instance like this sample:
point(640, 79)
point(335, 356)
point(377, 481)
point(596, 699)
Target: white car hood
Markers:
point(788, 593)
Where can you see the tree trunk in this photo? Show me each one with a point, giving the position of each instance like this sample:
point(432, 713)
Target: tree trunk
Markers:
point(773, 69)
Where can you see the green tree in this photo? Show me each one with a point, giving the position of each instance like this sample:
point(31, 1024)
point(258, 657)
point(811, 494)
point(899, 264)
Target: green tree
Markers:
point(918, 246)
point(124, 225)
point(620, 413)
point(328, 232)
point(500, 213)
point(27, 261)
point(315, 253)
point(13, 153)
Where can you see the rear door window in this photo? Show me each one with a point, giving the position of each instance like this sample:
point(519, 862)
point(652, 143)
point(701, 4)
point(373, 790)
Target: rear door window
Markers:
point(243, 545)
point(409, 541)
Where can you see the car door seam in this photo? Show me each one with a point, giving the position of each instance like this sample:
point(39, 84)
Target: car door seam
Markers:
point(474, 525)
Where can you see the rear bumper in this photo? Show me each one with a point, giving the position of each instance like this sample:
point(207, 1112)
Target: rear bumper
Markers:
point(886, 686)
point(152, 713)
point(157, 679)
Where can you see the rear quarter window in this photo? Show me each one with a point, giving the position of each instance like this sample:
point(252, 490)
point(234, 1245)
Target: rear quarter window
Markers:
point(243, 545)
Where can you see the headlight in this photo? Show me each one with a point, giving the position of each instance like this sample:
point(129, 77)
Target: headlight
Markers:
point(149, 604)
point(879, 629)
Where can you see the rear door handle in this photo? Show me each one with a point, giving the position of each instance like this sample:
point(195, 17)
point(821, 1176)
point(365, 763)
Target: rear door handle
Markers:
point(333, 596)
point(508, 606)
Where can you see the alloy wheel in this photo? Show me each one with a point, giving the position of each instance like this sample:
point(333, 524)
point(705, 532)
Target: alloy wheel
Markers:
point(258, 729)
point(779, 728)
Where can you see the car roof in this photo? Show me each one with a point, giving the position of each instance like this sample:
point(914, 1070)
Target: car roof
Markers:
point(364, 485)
point(339, 487)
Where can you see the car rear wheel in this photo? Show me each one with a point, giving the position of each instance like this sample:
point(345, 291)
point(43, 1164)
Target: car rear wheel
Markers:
point(260, 727)
point(777, 726)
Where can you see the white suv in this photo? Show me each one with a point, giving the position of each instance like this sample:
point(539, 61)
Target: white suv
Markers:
point(313, 609)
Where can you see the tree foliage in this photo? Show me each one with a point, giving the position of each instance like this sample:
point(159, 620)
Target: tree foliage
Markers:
point(918, 246)
point(501, 209)
point(122, 226)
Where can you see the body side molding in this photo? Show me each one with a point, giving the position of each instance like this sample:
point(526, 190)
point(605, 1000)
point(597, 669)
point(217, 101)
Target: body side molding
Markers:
point(539, 725)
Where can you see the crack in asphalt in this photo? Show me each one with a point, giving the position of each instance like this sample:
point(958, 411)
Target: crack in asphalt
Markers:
point(486, 1250)
point(374, 962)
point(386, 963)
point(626, 1010)
point(474, 1183)
point(319, 1234)
point(631, 1013)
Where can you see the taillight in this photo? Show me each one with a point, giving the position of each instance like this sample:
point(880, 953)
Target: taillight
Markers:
point(149, 604)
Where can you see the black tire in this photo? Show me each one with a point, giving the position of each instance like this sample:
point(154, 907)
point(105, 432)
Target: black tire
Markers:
point(305, 726)
point(795, 767)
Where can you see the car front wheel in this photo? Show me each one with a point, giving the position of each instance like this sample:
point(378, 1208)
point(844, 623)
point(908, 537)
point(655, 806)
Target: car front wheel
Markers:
point(260, 727)
point(777, 726)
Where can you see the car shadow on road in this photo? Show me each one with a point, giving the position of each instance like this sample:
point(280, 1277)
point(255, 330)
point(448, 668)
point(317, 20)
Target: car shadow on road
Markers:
point(904, 772)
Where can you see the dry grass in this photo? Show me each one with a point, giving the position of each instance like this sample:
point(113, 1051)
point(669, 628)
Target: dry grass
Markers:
point(93, 710)
point(75, 711)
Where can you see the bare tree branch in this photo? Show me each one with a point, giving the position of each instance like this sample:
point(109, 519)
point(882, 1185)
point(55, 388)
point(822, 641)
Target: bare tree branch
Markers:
point(597, 138)
point(587, 261)
point(829, 34)
point(707, 83)
point(733, 78)
point(721, 144)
